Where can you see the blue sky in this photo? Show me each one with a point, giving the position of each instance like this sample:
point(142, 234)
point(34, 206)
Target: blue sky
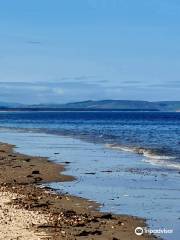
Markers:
point(66, 50)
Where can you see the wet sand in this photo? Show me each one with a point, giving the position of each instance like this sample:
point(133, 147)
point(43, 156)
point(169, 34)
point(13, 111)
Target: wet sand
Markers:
point(30, 211)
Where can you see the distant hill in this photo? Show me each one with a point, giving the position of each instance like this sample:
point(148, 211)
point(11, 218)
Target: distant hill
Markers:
point(123, 105)
point(9, 104)
point(117, 105)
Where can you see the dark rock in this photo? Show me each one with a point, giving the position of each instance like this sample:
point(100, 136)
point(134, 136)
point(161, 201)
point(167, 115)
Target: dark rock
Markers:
point(86, 233)
point(27, 160)
point(93, 220)
point(18, 166)
point(80, 225)
point(35, 172)
point(91, 173)
point(69, 213)
point(39, 205)
point(107, 216)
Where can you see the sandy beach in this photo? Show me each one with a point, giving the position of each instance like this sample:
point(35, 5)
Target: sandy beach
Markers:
point(30, 211)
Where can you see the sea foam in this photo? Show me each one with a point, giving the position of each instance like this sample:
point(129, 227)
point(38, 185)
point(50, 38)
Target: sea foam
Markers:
point(150, 155)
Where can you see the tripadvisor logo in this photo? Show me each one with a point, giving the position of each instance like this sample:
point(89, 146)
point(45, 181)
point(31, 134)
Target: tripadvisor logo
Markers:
point(139, 231)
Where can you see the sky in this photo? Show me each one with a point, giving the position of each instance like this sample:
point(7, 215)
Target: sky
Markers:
point(57, 51)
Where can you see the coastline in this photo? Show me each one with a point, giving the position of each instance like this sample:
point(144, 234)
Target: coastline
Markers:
point(61, 215)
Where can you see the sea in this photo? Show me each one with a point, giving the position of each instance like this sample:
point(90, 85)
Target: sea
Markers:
point(128, 162)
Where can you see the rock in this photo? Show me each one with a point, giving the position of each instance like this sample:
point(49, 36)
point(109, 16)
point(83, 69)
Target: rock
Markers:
point(86, 233)
point(35, 172)
point(80, 224)
point(18, 166)
point(27, 160)
point(91, 173)
point(107, 216)
point(14, 198)
point(63, 233)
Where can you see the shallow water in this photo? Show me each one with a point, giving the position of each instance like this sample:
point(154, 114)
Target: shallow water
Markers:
point(123, 182)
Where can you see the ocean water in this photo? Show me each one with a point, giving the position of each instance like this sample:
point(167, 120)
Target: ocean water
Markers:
point(129, 162)
point(153, 134)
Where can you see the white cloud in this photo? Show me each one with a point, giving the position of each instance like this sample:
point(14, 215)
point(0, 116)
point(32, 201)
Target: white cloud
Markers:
point(58, 91)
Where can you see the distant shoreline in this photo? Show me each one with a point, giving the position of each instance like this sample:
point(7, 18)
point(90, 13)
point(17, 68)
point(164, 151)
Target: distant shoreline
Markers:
point(75, 109)
point(96, 105)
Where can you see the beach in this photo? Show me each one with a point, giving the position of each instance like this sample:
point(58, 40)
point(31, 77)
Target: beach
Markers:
point(30, 210)
point(127, 167)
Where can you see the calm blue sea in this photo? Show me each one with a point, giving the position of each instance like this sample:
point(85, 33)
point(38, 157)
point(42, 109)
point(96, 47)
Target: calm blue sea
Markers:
point(155, 135)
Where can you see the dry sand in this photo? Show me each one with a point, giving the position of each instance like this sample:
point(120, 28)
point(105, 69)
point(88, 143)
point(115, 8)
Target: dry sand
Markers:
point(17, 223)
